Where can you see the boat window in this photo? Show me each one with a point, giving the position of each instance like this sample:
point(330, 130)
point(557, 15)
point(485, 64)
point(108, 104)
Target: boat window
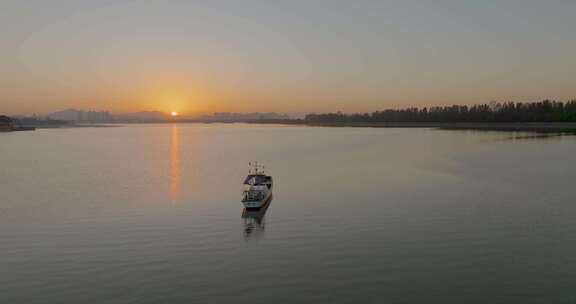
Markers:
point(256, 179)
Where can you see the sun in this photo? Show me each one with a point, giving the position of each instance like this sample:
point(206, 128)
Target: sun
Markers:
point(173, 114)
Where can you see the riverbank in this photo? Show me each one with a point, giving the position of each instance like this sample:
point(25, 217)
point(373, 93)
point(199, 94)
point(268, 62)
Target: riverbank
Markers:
point(567, 127)
point(87, 125)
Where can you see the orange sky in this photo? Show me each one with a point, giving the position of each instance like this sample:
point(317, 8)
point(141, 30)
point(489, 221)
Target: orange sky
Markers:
point(292, 57)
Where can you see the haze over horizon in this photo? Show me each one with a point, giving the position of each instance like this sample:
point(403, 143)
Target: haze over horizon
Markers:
point(290, 57)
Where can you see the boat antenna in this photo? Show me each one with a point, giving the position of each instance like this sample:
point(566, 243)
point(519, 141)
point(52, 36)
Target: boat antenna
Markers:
point(255, 168)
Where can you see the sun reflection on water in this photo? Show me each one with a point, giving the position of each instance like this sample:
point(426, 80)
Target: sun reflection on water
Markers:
point(174, 162)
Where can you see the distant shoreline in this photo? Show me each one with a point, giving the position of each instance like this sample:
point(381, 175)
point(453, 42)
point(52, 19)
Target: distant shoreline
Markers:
point(32, 127)
point(567, 127)
point(555, 127)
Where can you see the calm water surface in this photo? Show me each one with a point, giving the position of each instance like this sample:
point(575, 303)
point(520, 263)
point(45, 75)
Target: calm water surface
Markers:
point(152, 214)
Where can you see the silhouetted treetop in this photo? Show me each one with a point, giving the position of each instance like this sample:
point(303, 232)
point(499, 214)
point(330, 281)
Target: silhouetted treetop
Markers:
point(543, 111)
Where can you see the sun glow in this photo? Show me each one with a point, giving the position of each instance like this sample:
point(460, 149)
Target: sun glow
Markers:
point(173, 114)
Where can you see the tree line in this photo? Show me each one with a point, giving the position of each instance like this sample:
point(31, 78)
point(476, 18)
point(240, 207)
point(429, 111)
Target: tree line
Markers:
point(543, 111)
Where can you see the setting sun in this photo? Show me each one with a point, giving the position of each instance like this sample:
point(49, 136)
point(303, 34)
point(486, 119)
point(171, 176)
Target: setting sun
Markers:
point(173, 114)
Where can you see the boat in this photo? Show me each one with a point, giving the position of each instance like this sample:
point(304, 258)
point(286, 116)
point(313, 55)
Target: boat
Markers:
point(257, 187)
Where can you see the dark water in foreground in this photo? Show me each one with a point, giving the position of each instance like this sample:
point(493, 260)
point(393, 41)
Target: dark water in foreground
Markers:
point(152, 214)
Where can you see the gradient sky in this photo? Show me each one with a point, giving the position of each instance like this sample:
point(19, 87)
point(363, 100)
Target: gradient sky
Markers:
point(288, 56)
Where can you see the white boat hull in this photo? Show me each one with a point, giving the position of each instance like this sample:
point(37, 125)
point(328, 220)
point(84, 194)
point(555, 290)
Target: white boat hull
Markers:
point(257, 204)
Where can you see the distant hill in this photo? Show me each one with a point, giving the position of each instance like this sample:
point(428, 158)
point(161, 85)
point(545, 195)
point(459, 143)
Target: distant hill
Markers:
point(73, 115)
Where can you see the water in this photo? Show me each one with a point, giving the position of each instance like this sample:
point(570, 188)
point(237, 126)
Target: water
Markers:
point(152, 214)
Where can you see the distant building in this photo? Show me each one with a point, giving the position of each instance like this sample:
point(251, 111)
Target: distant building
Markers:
point(81, 116)
point(146, 116)
point(6, 123)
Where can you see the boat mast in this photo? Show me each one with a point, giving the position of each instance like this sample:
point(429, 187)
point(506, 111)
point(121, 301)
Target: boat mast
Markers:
point(255, 168)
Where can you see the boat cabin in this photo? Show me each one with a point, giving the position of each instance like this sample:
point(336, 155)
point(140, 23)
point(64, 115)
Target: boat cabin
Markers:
point(257, 179)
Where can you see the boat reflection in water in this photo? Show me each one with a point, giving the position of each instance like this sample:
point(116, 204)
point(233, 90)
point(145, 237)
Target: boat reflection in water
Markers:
point(254, 220)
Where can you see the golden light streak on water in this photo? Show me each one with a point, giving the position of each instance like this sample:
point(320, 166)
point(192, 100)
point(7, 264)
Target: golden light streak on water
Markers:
point(174, 162)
